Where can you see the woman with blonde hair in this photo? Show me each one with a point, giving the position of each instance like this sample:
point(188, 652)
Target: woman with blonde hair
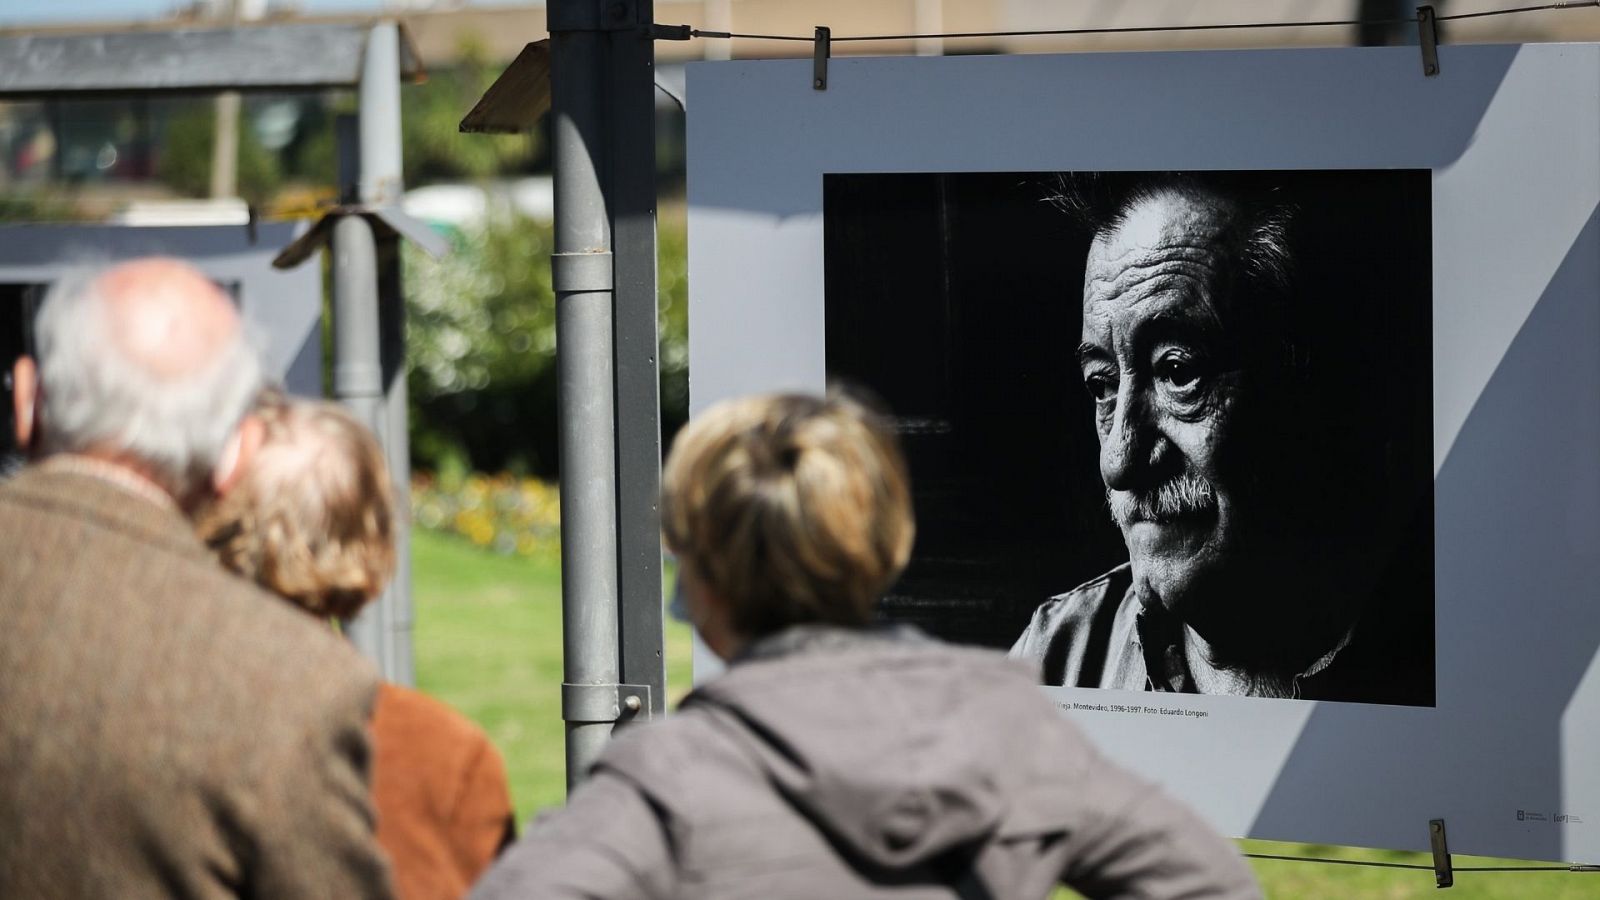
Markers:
point(312, 520)
point(835, 758)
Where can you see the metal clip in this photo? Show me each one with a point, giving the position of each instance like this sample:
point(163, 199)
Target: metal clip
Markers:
point(1428, 37)
point(1444, 873)
point(821, 49)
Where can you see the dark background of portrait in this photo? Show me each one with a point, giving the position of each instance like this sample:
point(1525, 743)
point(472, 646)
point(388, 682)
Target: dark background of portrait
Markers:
point(956, 300)
point(16, 313)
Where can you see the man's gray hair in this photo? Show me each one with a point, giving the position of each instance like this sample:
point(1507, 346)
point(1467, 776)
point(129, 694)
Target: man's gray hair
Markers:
point(92, 397)
point(1258, 240)
point(1258, 234)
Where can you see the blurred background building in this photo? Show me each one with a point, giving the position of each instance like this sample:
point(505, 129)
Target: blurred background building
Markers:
point(96, 158)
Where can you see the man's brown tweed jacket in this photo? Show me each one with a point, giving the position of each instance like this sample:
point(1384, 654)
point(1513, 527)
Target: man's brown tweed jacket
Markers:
point(167, 730)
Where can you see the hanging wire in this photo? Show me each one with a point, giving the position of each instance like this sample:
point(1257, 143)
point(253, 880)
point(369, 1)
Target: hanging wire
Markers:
point(1575, 867)
point(1571, 4)
point(1146, 29)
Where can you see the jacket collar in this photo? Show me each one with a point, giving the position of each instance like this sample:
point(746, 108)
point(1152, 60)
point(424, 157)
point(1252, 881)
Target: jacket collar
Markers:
point(813, 638)
point(110, 473)
point(77, 492)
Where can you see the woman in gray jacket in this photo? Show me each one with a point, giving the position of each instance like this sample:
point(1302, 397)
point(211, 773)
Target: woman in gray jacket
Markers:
point(835, 759)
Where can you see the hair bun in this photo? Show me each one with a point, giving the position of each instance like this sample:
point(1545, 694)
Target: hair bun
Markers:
point(789, 456)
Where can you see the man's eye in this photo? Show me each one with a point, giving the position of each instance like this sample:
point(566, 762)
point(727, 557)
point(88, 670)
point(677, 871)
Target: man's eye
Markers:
point(1178, 373)
point(1103, 388)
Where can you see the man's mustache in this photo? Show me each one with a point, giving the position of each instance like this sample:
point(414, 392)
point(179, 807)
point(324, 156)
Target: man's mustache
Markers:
point(1185, 494)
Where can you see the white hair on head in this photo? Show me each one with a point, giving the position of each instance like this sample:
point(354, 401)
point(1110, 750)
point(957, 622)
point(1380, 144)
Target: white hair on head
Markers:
point(92, 397)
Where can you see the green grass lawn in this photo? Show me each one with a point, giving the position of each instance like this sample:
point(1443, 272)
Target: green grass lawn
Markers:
point(488, 642)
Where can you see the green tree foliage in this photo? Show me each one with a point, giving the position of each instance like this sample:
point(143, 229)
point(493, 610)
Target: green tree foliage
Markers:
point(672, 295)
point(431, 115)
point(481, 344)
point(185, 160)
point(481, 348)
point(36, 206)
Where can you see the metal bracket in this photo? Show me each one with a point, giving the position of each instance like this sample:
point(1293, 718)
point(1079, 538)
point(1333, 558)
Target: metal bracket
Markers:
point(618, 703)
point(1444, 874)
point(1428, 38)
point(572, 273)
point(671, 32)
point(387, 222)
point(821, 49)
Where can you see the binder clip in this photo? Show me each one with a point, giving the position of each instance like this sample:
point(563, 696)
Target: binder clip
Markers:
point(1444, 874)
point(1428, 38)
point(821, 49)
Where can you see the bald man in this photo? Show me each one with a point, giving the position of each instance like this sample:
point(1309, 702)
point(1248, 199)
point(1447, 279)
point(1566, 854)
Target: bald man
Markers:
point(167, 730)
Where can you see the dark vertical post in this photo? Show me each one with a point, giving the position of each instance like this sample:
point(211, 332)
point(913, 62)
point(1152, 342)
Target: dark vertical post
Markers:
point(1396, 17)
point(347, 164)
point(582, 276)
point(633, 194)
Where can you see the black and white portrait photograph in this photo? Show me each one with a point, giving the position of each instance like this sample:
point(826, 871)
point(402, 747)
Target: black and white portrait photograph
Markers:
point(1168, 431)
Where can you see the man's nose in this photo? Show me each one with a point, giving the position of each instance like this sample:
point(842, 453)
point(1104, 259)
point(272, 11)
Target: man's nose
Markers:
point(1127, 454)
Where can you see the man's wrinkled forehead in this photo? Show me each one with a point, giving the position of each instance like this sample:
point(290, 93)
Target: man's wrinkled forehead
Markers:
point(1168, 236)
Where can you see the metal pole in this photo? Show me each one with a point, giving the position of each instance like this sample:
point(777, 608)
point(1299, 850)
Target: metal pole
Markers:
point(632, 191)
point(581, 269)
point(225, 133)
point(382, 183)
point(357, 377)
point(225, 146)
point(397, 448)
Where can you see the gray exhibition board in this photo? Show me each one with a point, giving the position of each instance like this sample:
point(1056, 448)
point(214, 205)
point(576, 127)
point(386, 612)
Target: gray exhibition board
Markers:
point(283, 309)
point(1505, 753)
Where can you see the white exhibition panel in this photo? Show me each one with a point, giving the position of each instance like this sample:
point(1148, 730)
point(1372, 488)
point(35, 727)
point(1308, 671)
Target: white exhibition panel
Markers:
point(1512, 135)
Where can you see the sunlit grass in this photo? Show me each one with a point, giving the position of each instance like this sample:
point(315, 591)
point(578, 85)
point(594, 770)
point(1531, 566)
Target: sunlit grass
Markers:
point(488, 642)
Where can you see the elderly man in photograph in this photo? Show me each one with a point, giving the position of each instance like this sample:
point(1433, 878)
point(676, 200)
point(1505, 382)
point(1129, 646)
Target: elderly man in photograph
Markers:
point(165, 728)
point(1237, 451)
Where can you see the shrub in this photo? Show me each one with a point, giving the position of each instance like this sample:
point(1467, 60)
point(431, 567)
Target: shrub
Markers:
point(508, 515)
point(185, 161)
point(481, 344)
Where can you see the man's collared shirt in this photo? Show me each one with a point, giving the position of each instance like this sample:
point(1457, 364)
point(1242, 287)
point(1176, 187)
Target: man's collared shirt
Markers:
point(1100, 635)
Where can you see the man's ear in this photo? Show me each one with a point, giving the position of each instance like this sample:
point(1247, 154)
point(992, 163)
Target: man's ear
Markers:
point(24, 393)
point(237, 456)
